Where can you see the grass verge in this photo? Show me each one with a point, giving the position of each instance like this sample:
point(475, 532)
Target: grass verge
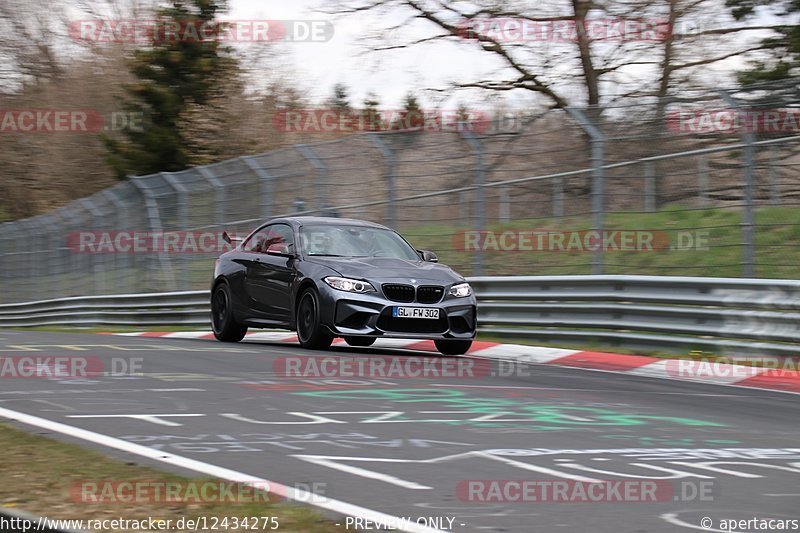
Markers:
point(41, 474)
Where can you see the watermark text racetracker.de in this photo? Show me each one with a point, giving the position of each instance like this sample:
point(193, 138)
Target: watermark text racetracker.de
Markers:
point(552, 240)
point(147, 491)
point(135, 241)
point(395, 367)
point(735, 367)
point(68, 367)
point(138, 491)
point(41, 120)
point(523, 30)
point(171, 242)
point(150, 31)
point(569, 491)
point(422, 120)
point(767, 121)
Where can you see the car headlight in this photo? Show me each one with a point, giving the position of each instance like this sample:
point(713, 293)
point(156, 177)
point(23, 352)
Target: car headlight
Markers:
point(462, 290)
point(349, 285)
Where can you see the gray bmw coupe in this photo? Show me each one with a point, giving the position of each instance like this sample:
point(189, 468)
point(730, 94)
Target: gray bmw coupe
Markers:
point(333, 277)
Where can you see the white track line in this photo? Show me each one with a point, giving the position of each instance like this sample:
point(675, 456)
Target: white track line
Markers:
point(523, 353)
point(339, 507)
point(186, 335)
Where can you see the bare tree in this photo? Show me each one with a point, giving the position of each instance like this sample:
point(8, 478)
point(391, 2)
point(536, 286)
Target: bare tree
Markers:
point(571, 51)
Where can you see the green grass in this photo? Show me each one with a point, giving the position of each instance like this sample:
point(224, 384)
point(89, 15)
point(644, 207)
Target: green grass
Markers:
point(777, 243)
point(40, 473)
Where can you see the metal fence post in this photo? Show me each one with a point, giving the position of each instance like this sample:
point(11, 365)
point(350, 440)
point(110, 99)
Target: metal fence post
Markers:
point(322, 176)
point(391, 164)
point(34, 242)
point(649, 187)
point(702, 179)
point(13, 259)
point(774, 189)
point(181, 194)
point(748, 216)
point(76, 257)
point(558, 197)
point(97, 264)
point(748, 221)
point(53, 250)
point(154, 218)
point(463, 205)
point(504, 209)
point(598, 181)
point(6, 270)
point(219, 192)
point(123, 258)
point(265, 184)
point(480, 196)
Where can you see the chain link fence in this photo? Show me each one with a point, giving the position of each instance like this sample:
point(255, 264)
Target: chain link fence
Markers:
point(707, 185)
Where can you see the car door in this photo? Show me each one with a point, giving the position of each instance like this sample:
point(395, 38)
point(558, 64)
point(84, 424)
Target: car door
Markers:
point(270, 272)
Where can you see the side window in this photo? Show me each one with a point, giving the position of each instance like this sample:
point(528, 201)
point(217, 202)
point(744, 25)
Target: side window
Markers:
point(277, 237)
point(256, 241)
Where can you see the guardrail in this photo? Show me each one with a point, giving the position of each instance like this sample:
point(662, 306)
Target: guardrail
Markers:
point(660, 313)
point(150, 309)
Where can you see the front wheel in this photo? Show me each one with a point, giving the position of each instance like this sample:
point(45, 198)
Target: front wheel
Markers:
point(310, 332)
point(451, 347)
point(361, 342)
point(225, 327)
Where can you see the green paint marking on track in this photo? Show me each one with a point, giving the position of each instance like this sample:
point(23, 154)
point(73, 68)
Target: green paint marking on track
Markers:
point(549, 416)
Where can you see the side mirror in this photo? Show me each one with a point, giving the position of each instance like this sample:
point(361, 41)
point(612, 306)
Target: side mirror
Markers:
point(428, 256)
point(283, 250)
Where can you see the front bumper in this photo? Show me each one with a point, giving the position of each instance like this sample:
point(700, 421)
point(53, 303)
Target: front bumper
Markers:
point(349, 314)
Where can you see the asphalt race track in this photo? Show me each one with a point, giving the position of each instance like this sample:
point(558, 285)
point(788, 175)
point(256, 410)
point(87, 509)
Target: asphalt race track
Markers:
point(430, 448)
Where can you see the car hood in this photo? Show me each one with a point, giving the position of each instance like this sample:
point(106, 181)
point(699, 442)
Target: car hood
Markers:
point(387, 268)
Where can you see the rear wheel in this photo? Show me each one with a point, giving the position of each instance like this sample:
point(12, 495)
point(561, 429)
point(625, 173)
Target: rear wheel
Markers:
point(310, 332)
point(452, 347)
point(225, 327)
point(360, 341)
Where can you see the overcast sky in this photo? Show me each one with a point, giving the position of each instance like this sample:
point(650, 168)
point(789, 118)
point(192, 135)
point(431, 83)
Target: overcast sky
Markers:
point(317, 66)
point(390, 74)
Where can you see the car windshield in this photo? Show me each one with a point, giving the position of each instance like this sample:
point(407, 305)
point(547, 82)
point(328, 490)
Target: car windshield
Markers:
point(354, 241)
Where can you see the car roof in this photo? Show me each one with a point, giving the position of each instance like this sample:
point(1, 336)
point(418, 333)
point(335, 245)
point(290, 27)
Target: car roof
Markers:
point(333, 221)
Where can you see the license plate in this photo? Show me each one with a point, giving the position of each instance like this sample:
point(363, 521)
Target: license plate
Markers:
point(415, 312)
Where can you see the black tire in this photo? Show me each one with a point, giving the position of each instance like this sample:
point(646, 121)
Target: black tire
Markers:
point(360, 342)
point(310, 332)
point(448, 347)
point(225, 327)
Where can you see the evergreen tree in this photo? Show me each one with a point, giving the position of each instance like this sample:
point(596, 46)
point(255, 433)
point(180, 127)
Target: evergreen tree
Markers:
point(174, 73)
point(412, 115)
point(340, 99)
point(784, 47)
point(371, 113)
